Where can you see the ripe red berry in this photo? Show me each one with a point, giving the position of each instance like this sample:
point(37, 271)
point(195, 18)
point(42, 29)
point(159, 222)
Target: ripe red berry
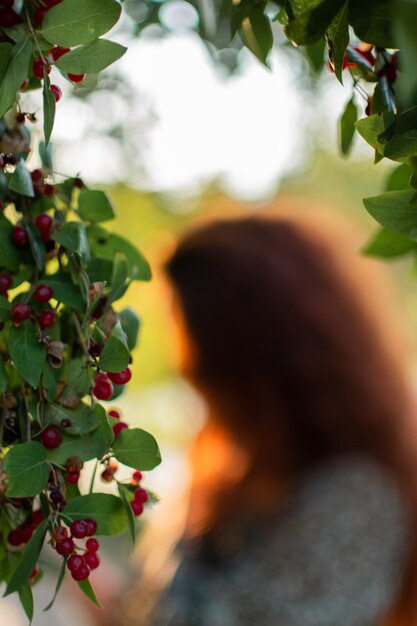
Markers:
point(8, 17)
point(21, 118)
point(39, 15)
point(43, 293)
point(120, 378)
point(65, 547)
point(57, 52)
point(48, 190)
point(76, 78)
point(34, 573)
point(46, 319)
point(60, 533)
point(37, 518)
point(37, 179)
point(15, 537)
point(107, 475)
point(51, 3)
point(24, 85)
point(51, 437)
point(20, 236)
point(37, 68)
point(57, 92)
point(92, 545)
point(103, 388)
point(79, 529)
point(137, 476)
point(117, 428)
point(43, 222)
point(20, 312)
point(5, 283)
point(78, 182)
point(26, 532)
point(75, 562)
point(115, 414)
point(92, 559)
point(74, 464)
point(91, 528)
point(81, 573)
point(6, 3)
point(73, 478)
point(137, 507)
point(141, 495)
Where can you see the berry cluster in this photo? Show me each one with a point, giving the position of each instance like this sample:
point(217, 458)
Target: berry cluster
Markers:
point(86, 559)
point(103, 383)
point(22, 534)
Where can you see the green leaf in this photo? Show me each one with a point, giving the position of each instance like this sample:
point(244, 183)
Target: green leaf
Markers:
point(27, 470)
point(382, 98)
point(315, 54)
point(36, 245)
point(399, 178)
point(347, 126)
point(49, 105)
point(28, 559)
point(65, 291)
point(95, 205)
point(17, 72)
point(311, 20)
point(115, 356)
point(26, 352)
point(5, 55)
point(387, 244)
point(100, 270)
point(107, 510)
point(45, 154)
point(256, 33)
point(130, 324)
point(26, 599)
point(5, 307)
point(3, 377)
point(92, 58)
point(124, 496)
point(338, 33)
point(9, 254)
point(75, 22)
point(373, 21)
point(395, 210)
point(59, 582)
point(106, 245)
point(88, 590)
point(21, 182)
point(371, 128)
point(73, 237)
point(84, 418)
point(119, 278)
point(137, 448)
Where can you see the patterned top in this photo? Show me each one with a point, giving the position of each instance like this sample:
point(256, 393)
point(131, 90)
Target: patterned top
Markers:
point(334, 557)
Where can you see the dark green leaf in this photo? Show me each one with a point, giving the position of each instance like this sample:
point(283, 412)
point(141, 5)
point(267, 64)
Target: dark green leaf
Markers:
point(17, 72)
point(371, 128)
point(311, 20)
point(48, 107)
point(58, 584)
point(256, 33)
point(104, 244)
point(91, 58)
point(36, 245)
point(115, 356)
point(26, 599)
point(130, 324)
point(84, 418)
point(3, 377)
point(27, 470)
point(73, 237)
point(383, 97)
point(9, 254)
point(75, 22)
point(137, 448)
point(373, 21)
point(26, 352)
point(5, 55)
point(28, 559)
point(124, 496)
point(338, 33)
point(119, 278)
point(45, 153)
point(100, 270)
point(399, 178)
point(5, 307)
point(21, 181)
point(107, 510)
point(347, 126)
point(395, 210)
point(315, 54)
point(65, 291)
point(95, 206)
point(88, 590)
point(387, 244)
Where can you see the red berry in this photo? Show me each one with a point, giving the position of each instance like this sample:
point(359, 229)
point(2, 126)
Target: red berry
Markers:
point(8, 17)
point(81, 573)
point(43, 293)
point(37, 68)
point(115, 414)
point(75, 562)
point(92, 559)
point(117, 428)
point(46, 319)
point(58, 52)
point(78, 182)
point(20, 236)
point(107, 475)
point(91, 528)
point(121, 378)
point(6, 3)
point(15, 537)
point(34, 573)
point(51, 437)
point(73, 478)
point(37, 180)
point(21, 118)
point(26, 532)
point(141, 495)
point(39, 15)
point(74, 464)
point(60, 533)
point(43, 222)
point(5, 283)
point(92, 545)
point(20, 312)
point(76, 78)
point(57, 92)
point(137, 507)
point(37, 517)
point(65, 547)
point(48, 190)
point(79, 529)
point(24, 85)
point(51, 3)
point(103, 388)
point(137, 476)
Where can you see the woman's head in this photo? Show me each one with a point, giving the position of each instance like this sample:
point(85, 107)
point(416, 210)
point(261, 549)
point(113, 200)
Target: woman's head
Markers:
point(283, 350)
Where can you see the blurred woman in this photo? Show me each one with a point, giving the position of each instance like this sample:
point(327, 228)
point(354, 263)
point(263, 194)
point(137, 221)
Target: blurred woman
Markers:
point(303, 506)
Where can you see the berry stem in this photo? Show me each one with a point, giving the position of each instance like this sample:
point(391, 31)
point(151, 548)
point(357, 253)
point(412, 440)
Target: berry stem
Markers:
point(93, 477)
point(32, 32)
